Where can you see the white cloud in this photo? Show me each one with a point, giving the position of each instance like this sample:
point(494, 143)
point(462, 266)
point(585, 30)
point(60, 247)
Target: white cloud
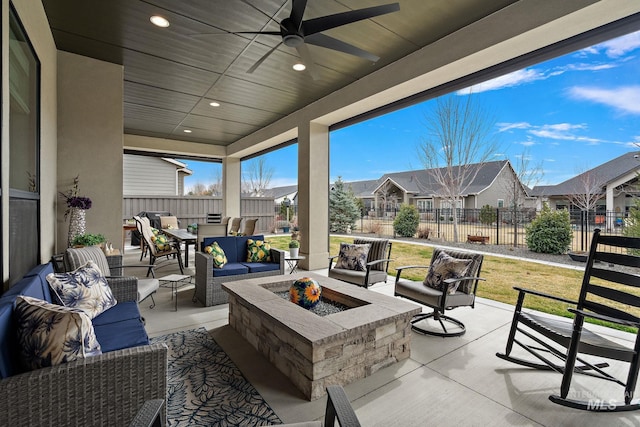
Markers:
point(503, 126)
point(624, 98)
point(527, 143)
point(549, 160)
point(516, 78)
point(621, 45)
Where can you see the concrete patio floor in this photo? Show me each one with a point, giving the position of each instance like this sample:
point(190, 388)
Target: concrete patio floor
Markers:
point(452, 381)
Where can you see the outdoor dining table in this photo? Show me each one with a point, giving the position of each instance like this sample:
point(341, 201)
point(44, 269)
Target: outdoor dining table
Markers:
point(182, 235)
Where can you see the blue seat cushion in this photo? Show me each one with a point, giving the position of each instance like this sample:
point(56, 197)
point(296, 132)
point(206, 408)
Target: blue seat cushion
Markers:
point(228, 245)
point(259, 267)
point(120, 312)
point(8, 350)
point(123, 334)
point(230, 269)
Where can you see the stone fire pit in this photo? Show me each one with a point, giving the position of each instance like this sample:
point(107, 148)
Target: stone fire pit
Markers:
point(315, 351)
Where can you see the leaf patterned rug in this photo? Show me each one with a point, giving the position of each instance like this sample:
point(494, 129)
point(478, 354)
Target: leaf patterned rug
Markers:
point(205, 388)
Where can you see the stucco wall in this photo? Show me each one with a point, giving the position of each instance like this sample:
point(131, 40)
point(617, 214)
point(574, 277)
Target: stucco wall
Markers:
point(90, 123)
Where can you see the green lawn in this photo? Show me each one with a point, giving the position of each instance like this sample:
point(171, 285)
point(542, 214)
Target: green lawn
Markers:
point(501, 275)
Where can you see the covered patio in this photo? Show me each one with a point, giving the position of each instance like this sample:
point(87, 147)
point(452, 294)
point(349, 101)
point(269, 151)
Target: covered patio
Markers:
point(452, 381)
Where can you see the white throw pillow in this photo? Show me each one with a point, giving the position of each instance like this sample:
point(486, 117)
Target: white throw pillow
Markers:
point(85, 288)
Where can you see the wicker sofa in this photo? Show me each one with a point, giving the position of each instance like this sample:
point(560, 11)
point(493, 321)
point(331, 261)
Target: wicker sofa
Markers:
point(107, 389)
point(209, 279)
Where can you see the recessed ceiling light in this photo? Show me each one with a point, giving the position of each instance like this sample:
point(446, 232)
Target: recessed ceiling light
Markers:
point(299, 67)
point(187, 131)
point(214, 104)
point(159, 21)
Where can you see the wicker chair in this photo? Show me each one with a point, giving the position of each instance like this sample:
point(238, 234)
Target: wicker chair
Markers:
point(107, 389)
point(75, 258)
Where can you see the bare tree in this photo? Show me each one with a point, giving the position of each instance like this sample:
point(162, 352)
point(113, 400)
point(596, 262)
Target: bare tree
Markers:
point(587, 190)
point(215, 188)
point(257, 177)
point(198, 189)
point(526, 176)
point(460, 139)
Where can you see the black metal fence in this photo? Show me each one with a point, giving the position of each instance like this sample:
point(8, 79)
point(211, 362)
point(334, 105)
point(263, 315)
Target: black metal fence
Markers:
point(497, 227)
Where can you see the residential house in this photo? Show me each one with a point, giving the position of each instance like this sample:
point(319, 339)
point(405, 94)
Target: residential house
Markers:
point(613, 184)
point(153, 176)
point(492, 185)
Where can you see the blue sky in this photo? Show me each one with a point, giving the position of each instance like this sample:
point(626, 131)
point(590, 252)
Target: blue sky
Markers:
point(569, 114)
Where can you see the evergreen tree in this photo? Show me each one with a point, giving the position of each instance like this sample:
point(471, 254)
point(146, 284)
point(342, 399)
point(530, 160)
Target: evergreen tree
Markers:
point(343, 208)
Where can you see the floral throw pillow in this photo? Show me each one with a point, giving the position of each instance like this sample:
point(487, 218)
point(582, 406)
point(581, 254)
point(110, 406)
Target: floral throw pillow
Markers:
point(353, 257)
point(258, 251)
point(446, 267)
point(50, 334)
point(84, 288)
point(219, 257)
point(161, 242)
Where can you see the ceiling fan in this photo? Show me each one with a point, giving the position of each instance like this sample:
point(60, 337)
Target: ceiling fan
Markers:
point(297, 33)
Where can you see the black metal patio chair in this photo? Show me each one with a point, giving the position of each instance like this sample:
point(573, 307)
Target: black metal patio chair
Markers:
point(609, 293)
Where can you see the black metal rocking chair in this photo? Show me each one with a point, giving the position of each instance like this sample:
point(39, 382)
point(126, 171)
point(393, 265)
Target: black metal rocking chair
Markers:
point(609, 291)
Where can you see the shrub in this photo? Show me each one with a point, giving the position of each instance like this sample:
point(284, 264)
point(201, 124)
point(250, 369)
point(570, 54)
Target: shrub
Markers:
point(88, 239)
point(488, 215)
point(550, 232)
point(375, 227)
point(407, 221)
point(423, 232)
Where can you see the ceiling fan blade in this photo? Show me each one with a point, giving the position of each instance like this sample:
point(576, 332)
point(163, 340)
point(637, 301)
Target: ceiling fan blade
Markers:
point(269, 33)
point(328, 42)
point(297, 12)
point(261, 60)
point(316, 25)
point(307, 60)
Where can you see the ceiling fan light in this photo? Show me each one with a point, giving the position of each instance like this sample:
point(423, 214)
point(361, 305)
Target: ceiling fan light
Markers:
point(159, 21)
point(299, 66)
point(214, 104)
point(187, 131)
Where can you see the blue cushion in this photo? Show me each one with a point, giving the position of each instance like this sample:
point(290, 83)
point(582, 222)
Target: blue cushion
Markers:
point(228, 245)
point(120, 312)
point(41, 271)
point(124, 334)
point(8, 348)
point(259, 267)
point(230, 269)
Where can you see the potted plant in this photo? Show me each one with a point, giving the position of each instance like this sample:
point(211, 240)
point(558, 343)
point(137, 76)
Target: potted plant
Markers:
point(88, 239)
point(284, 225)
point(294, 247)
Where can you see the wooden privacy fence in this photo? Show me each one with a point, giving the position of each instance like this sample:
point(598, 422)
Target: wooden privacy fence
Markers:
point(194, 209)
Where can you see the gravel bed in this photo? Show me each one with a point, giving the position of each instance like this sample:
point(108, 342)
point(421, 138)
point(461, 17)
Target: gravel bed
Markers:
point(323, 308)
point(500, 250)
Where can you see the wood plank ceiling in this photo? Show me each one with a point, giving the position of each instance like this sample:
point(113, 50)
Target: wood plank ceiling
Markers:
point(172, 74)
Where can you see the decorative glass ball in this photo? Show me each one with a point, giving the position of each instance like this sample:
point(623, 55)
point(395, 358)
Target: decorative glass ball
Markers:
point(305, 292)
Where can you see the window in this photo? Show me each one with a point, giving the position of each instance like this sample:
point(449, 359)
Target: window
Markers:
point(501, 203)
point(425, 205)
point(24, 149)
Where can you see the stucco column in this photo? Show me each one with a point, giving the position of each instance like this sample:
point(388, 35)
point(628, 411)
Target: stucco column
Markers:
point(610, 209)
point(231, 183)
point(313, 195)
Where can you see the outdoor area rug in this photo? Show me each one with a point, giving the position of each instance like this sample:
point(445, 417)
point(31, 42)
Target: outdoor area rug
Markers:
point(205, 388)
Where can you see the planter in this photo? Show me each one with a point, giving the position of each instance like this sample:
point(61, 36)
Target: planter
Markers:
point(293, 252)
point(285, 229)
point(77, 224)
point(579, 256)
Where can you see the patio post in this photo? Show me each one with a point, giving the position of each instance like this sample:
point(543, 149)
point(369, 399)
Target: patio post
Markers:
point(231, 183)
point(313, 194)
